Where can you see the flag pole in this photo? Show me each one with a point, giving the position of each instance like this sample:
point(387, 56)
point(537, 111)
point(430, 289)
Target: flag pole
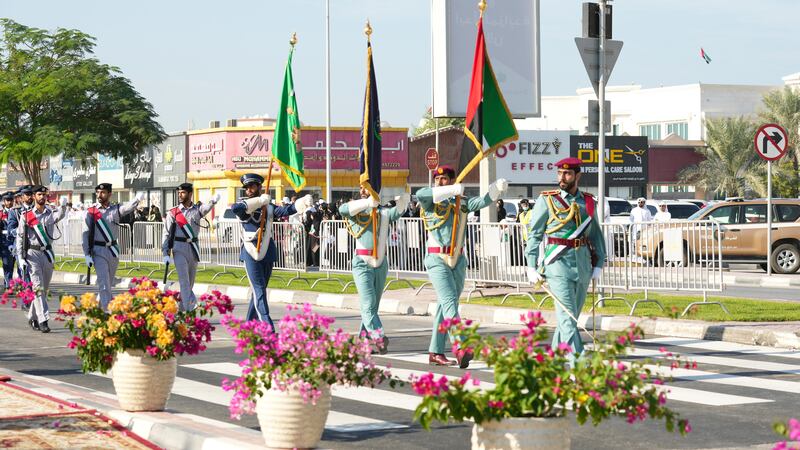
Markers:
point(328, 100)
point(373, 213)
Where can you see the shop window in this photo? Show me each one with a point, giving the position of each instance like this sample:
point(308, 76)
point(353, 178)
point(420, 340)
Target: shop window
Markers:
point(679, 128)
point(652, 131)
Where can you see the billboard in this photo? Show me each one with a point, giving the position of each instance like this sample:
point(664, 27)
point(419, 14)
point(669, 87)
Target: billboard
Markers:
point(139, 174)
point(626, 159)
point(511, 29)
point(531, 158)
point(84, 176)
point(169, 162)
point(61, 173)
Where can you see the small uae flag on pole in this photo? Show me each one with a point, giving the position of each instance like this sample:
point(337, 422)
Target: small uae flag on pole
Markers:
point(705, 56)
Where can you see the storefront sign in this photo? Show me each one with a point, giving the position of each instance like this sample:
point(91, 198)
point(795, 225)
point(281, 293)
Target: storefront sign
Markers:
point(626, 159)
point(207, 151)
point(109, 170)
point(84, 176)
point(61, 174)
point(531, 158)
point(169, 160)
point(17, 179)
point(345, 147)
point(139, 174)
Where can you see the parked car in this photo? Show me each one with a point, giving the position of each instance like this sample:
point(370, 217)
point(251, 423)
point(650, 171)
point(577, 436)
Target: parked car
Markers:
point(744, 234)
point(700, 203)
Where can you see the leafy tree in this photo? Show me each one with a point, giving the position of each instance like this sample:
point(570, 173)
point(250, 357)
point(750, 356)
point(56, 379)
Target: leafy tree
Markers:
point(428, 123)
point(56, 97)
point(782, 106)
point(730, 166)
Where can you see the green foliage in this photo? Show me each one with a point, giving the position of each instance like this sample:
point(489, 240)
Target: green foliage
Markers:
point(428, 123)
point(783, 107)
point(728, 167)
point(57, 98)
point(534, 380)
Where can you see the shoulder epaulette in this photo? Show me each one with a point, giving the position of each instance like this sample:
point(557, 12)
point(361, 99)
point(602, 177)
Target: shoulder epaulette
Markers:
point(553, 192)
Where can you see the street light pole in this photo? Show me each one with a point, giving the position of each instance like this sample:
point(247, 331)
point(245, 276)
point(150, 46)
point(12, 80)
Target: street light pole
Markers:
point(601, 137)
point(328, 101)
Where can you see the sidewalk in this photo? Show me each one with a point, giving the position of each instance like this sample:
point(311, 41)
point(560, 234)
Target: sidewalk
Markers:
point(70, 416)
point(406, 302)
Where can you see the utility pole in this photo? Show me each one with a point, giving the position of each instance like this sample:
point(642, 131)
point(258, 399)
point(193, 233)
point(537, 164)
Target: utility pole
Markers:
point(601, 98)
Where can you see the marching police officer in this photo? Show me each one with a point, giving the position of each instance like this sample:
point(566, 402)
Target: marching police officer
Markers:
point(181, 228)
point(25, 202)
point(256, 213)
point(99, 242)
point(6, 238)
point(34, 245)
point(444, 212)
point(368, 223)
point(574, 249)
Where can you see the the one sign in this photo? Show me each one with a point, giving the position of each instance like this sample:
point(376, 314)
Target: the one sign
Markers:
point(770, 142)
point(512, 40)
point(589, 48)
point(431, 159)
point(625, 156)
point(532, 157)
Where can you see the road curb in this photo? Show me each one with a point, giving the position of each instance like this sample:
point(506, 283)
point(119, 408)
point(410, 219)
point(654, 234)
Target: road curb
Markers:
point(739, 333)
point(164, 429)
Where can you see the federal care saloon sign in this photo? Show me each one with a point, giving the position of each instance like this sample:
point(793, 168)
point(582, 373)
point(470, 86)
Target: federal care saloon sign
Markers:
point(626, 159)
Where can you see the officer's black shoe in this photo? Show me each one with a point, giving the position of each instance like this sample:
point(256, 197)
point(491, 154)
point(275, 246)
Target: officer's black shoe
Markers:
point(34, 325)
point(43, 327)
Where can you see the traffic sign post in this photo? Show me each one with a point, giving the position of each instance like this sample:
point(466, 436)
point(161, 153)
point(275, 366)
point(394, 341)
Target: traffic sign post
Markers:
point(771, 144)
point(431, 159)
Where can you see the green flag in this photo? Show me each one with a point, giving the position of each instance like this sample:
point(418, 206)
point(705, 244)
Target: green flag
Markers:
point(286, 147)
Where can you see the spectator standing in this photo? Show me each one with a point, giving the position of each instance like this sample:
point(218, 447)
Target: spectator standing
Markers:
point(663, 215)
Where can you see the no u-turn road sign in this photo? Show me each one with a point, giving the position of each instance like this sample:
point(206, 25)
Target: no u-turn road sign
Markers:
point(771, 142)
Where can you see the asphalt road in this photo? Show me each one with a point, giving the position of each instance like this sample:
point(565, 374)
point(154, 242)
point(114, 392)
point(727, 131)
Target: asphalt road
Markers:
point(732, 399)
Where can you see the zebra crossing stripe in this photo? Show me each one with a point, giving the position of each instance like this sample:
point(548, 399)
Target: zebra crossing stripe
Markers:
point(722, 346)
point(760, 366)
point(769, 384)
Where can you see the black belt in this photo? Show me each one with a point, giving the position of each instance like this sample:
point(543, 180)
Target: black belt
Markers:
point(185, 239)
point(40, 247)
point(105, 244)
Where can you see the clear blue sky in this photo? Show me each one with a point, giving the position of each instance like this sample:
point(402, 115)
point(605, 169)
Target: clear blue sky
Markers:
point(202, 60)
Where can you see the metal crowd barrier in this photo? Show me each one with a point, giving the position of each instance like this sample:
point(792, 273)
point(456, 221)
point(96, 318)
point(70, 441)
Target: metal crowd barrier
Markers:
point(147, 238)
point(290, 243)
point(336, 250)
point(228, 234)
point(615, 271)
point(406, 251)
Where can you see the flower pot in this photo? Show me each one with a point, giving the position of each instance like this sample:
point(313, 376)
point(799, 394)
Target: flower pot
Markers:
point(287, 422)
point(522, 433)
point(142, 382)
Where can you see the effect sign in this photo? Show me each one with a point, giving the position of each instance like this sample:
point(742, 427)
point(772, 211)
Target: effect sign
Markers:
point(532, 157)
point(770, 142)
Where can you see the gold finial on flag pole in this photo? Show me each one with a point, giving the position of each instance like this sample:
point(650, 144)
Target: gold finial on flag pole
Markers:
point(368, 29)
point(293, 39)
point(482, 6)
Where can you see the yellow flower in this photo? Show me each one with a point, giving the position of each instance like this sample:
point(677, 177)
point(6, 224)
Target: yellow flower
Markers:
point(89, 301)
point(157, 320)
point(81, 321)
point(169, 305)
point(110, 341)
point(122, 303)
point(98, 333)
point(165, 338)
point(68, 303)
point(582, 398)
point(113, 324)
point(183, 330)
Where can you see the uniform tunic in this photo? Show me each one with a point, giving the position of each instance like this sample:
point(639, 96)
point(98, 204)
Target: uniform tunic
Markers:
point(447, 273)
point(369, 273)
point(105, 263)
point(568, 275)
point(7, 246)
point(13, 223)
point(258, 265)
point(182, 253)
point(40, 266)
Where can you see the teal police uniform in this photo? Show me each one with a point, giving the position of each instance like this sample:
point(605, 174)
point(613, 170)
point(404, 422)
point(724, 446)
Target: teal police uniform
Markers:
point(370, 264)
point(447, 268)
point(560, 234)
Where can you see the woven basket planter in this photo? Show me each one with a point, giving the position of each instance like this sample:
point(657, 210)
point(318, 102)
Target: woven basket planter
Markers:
point(527, 433)
point(142, 382)
point(287, 422)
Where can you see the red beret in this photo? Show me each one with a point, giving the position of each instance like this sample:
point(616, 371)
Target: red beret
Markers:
point(570, 163)
point(445, 170)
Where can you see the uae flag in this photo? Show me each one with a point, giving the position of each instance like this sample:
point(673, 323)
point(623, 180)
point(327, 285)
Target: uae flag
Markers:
point(370, 152)
point(488, 118)
point(705, 56)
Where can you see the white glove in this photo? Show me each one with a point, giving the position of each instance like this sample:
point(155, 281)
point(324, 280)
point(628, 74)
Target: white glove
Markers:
point(442, 193)
point(403, 201)
point(374, 202)
point(63, 202)
point(22, 264)
point(356, 206)
point(534, 276)
point(168, 260)
point(215, 198)
point(265, 199)
point(303, 203)
point(140, 196)
point(89, 260)
point(597, 273)
point(497, 188)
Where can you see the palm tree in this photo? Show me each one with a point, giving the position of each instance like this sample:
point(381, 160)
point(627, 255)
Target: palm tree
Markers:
point(730, 166)
point(782, 106)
